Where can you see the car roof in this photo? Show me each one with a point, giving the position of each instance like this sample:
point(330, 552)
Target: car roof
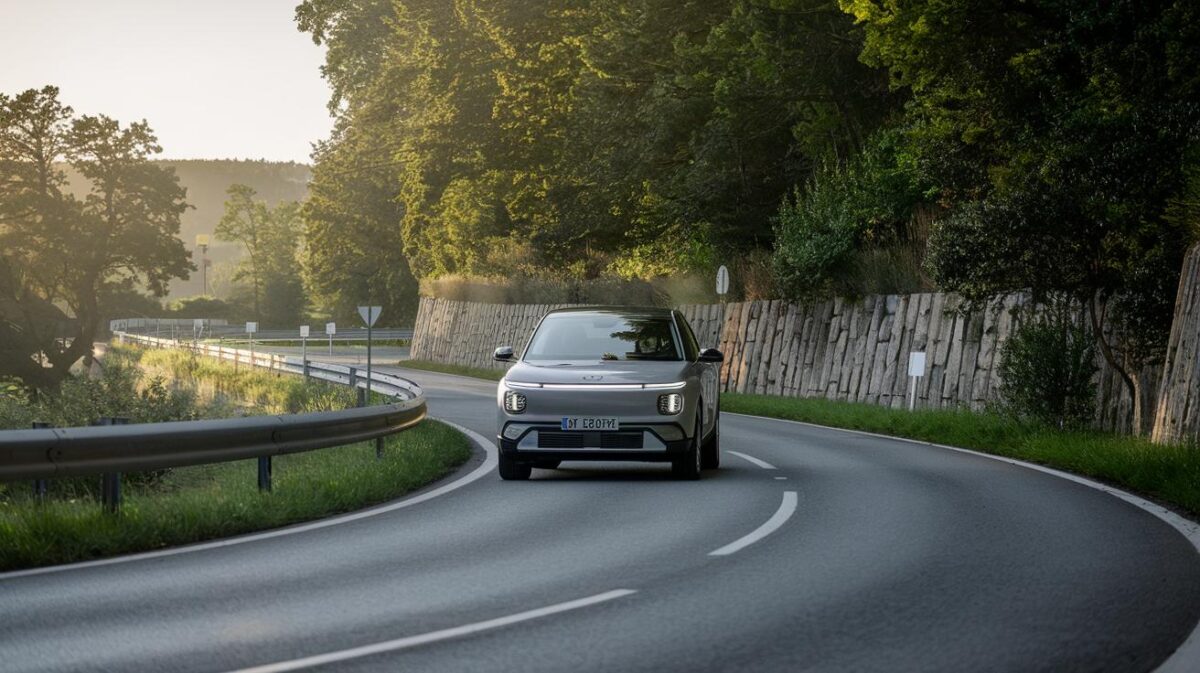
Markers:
point(624, 311)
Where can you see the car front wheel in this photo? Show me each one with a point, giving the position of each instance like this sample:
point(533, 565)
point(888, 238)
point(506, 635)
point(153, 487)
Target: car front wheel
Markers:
point(710, 455)
point(687, 466)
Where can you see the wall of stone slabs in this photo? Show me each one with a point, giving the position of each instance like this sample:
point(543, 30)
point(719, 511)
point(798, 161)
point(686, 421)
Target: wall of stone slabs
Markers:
point(835, 349)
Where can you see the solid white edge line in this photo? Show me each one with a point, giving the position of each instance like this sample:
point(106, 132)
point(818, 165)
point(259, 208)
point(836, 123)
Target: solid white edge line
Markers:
point(751, 459)
point(488, 465)
point(1186, 659)
point(434, 636)
point(787, 507)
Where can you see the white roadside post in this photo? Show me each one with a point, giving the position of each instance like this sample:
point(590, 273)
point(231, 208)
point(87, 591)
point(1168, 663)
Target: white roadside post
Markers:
point(331, 329)
point(722, 282)
point(304, 348)
point(916, 369)
point(251, 328)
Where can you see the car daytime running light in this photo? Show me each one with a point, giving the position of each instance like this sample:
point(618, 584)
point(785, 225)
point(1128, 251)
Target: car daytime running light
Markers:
point(514, 402)
point(670, 404)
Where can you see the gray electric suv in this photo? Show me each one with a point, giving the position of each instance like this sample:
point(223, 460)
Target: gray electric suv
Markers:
point(605, 383)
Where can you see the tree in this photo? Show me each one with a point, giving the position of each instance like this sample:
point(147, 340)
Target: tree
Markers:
point(1055, 134)
point(551, 137)
point(69, 253)
point(271, 237)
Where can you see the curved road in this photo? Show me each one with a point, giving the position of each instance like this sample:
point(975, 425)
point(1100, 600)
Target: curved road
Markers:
point(854, 553)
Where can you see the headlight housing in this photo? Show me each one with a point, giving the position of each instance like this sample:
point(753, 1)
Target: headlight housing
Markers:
point(514, 402)
point(670, 404)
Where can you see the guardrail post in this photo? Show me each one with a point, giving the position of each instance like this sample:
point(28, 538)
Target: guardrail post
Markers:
point(40, 485)
point(264, 473)
point(110, 482)
point(379, 448)
point(361, 396)
point(353, 377)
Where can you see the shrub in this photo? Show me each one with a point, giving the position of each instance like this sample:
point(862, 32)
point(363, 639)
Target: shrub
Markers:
point(832, 234)
point(1048, 368)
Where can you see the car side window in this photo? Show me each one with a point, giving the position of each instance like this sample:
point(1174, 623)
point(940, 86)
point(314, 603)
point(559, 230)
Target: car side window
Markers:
point(691, 348)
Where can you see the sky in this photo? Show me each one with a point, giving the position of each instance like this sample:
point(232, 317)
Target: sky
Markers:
point(216, 79)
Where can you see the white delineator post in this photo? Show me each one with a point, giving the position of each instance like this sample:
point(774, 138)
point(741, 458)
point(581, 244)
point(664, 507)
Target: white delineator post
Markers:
point(304, 348)
point(916, 369)
point(331, 329)
point(251, 328)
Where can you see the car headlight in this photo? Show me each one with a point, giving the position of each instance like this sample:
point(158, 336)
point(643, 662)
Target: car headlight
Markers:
point(514, 402)
point(670, 404)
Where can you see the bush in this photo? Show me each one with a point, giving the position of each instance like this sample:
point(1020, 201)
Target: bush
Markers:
point(831, 235)
point(1048, 368)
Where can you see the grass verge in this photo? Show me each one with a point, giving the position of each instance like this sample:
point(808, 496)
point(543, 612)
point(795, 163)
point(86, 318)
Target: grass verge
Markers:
point(192, 504)
point(1170, 474)
point(475, 372)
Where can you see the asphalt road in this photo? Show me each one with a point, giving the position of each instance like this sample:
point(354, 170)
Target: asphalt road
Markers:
point(887, 556)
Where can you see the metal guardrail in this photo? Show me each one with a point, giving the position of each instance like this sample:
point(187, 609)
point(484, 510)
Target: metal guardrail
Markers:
point(387, 384)
point(111, 449)
point(238, 333)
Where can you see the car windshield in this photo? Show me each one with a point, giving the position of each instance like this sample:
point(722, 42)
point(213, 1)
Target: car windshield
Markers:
point(603, 336)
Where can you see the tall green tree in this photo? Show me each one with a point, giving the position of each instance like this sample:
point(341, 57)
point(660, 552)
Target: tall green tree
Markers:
point(271, 237)
point(553, 136)
point(1055, 132)
point(68, 253)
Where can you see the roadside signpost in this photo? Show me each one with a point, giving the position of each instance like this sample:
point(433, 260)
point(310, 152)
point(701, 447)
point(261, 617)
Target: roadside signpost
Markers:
point(304, 348)
point(251, 328)
point(722, 282)
point(369, 315)
point(916, 369)
point(331, 329)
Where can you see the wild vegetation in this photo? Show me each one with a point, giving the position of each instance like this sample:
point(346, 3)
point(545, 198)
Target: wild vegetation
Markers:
point(176, 506)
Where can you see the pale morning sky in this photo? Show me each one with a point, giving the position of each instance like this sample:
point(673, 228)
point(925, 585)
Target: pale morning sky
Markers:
point(215, 78)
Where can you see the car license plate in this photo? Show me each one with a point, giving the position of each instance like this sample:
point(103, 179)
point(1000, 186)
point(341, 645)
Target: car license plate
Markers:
point(590, 423)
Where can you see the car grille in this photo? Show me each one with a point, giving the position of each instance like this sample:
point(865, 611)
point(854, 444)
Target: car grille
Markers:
point(580, 440)
point(560, 440)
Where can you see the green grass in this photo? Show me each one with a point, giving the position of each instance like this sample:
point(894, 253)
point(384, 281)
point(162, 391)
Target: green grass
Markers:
point(191, 504)
point(1170, 474)
point(475, 372)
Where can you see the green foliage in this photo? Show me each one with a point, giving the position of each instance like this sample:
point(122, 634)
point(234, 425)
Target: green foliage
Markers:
point(1056, 133)
point(260, 389)
point(199, 503)
point(62, 250)
point(1048, 367)
point(121, 391)
point(271, 237)
point(204, 306)
point(844, 212)
point(555, 138)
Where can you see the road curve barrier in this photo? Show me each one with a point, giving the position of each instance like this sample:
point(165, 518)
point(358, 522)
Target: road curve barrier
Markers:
point(46, 453)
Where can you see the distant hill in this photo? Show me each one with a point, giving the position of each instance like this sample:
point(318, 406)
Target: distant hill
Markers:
point(206, 181)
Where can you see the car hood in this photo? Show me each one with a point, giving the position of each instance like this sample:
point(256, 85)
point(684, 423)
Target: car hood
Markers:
point(621, 371)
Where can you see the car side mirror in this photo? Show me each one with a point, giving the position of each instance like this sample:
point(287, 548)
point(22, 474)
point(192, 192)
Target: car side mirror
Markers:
point(711, 355)
point(503, 354)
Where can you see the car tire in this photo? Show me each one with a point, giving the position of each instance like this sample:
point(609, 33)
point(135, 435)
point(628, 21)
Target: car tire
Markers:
point(687, 466)
point(710, 457)
point(547, 464)
point(511, 470)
